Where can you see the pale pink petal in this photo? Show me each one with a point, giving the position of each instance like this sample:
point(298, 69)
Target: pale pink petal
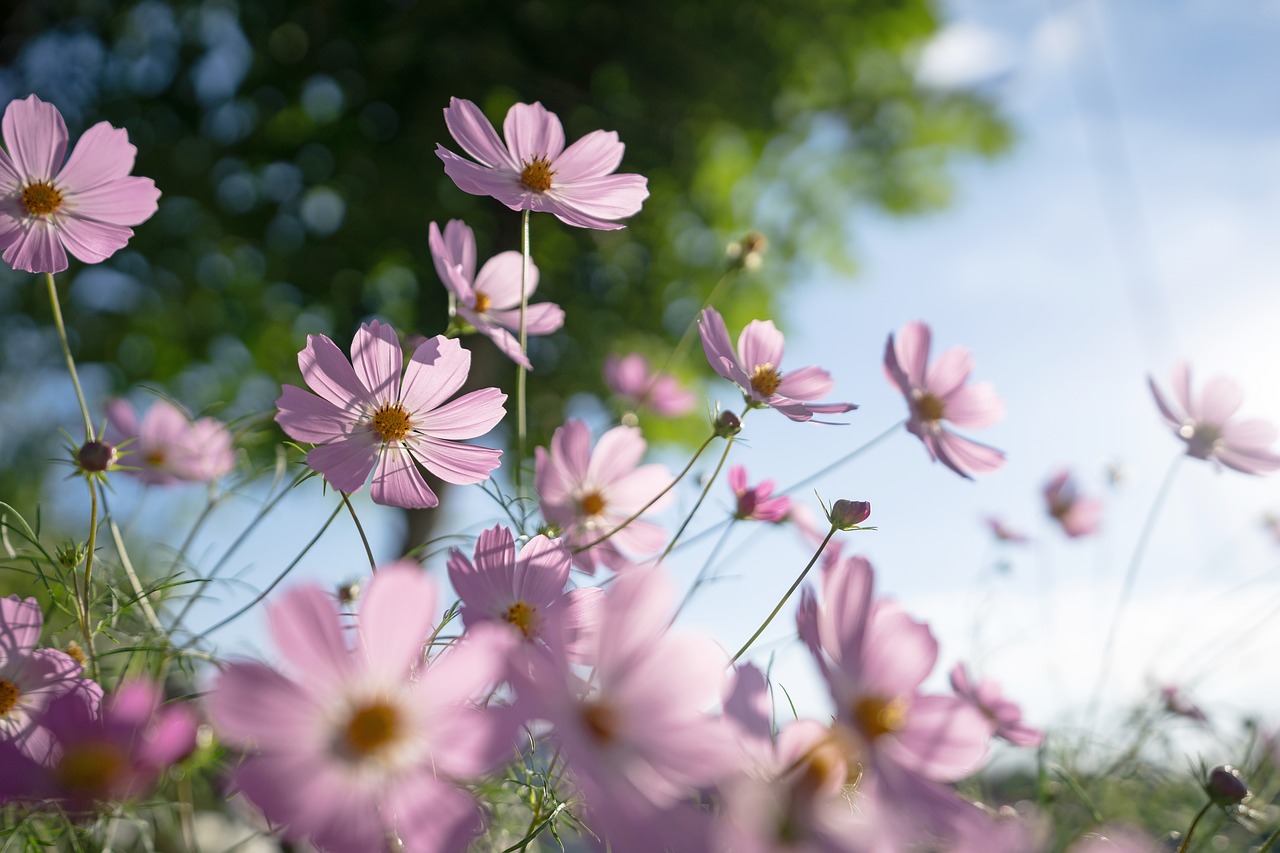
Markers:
point(805, 383)
point(499, 279)
point(608, 197)
point(897, 652)
point(37, 249)
point(122, 418)
point(398, 482)
point(737, 479)
point(433, 816)
point(949, 372)
point(1219, 400)
point(327, 371)
point(720, 353)
point(748, 704)
point(579, 618)
point(129, 200)
point(668, 398)
point(532, 132)
point(92, 241)
point(396, 615)
point(637, 609)
point(543, 570)
point(1253, 433)
point(447, 263)
point(346, 462)
point(1174, 418)
point(485, 587)
point(469, 416)
point(759, 343)
point(468, 669)
point(616, 454)
point(477, 180)
point(634, 489)
point(306, 417)
point(973, 406)
point(967, 457)
point(253, 703)
point(944, 738)
point(10, 181)
point(20, 623)
point(101, 155)
point(542, 318)
point(376, 358)
point(1248, 461)
point(36, 137)
point(597, 154)
point(307, 631)
point(460, 464)
point(436, 371)
point(1181, 377)
point(961, 683)
point(638, 537)
point(571, 216)
point(476, 135)
point(846, 595)
point(571, 450)
point(501, 338)
point(912, 350)
point(893, 370)
point(460, 242)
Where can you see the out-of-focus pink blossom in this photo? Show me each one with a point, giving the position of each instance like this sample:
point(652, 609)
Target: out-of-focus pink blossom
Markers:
point(632, 379)
point(31, 677)
point(940, 394)
point(1076, 514)
point(363, 415)
point(534, 171)
point(1005, 716)
point(1207, 423)
point(84, 206)
point(754, 502)
point(1005, 533)
point(490, 301)
point(1115, 840)
point(756, 368)
point(1178, 703)
point(356, 743)
point(116, 752)
point(167, 447)
point(588, 492)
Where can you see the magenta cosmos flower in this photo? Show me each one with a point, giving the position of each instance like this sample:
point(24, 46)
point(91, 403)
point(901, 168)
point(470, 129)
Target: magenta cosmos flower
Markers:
point(84, 206)
point(31, 677)
point(534, 171)
point(490, 301)
point(359, 740)
point(1208, 425)
point(940, 394)
point(364, 415)
point(1076, 515)
point(1005, 716)
point(102, 755)
point(167, 446)
point(756, 368)
point(754, 502)
point(589, 492)
point(632, 379)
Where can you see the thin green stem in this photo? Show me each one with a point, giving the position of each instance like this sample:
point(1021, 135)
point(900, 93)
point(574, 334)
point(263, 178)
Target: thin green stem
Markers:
point(66, 353)
point(728, 445)
point(706, 568)
point(522, 418)
point(687, 338)
point(144, 601)
point(848, 457)
point(653, 501)
point(1186, 839)
point(88, 574)
point(1270, 842)
point(373, 564)
point(794, 587)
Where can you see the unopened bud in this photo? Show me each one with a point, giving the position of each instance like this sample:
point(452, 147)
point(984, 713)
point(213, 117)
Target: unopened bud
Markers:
point(847, 515)
point(71, 554)
point(348, 593)
point(1226, 787)
point(96, 456)
point(727, 425)
point(747, 253)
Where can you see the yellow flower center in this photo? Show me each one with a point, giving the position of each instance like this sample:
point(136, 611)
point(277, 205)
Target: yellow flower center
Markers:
point(765, 379)
point(876, 716)
point(601, 721)
point(524, 617)
point(537, 174)
point(89, 768)
point(391, 422)
point(370, 730)
point(76, 653)
point(592, 503)
point(40, 198)
point(930, 407)
point(9, 694)
point(482, 302)
point(155, 458)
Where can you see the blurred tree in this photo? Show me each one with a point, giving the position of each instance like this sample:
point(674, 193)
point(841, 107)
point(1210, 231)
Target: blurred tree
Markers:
point(294, 139)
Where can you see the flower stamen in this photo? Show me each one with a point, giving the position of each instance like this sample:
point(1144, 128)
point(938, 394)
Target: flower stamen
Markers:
point(930, 407)
point(40, 198)
point(601, 721)
point(525, 617)
point(765, 379)
point(592, 503)
point(370, 730)
point(391, 422)
point(482, 302)
point(89, 769)
point(537, 174)
point(9, 694)
point(876, 716)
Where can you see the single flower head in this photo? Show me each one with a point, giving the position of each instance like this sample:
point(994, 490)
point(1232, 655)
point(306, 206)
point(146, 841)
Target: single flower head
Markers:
point(1005, 716)
point(1208, 425)
point(534, 171)
point(754, 502)
point(1177, 702)
point(638, 385)
point(363, 415)
point(939, 394)
point(756, 368)
point(167, 447)
point(1076, 514)
point(84, 206)
point(490, 301)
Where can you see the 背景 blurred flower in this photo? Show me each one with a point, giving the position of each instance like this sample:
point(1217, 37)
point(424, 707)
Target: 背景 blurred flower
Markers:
point(167, 447)
point(1207, 423)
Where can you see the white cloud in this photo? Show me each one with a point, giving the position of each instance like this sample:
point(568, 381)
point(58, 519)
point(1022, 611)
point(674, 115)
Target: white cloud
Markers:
point(964, 54)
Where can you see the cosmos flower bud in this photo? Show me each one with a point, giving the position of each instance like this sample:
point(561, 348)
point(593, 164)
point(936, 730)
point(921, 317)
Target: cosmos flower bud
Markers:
point(847, 515)
point(1226, 787)
point(747, 253)
point(94, 457)
point(727, 425)
point(71, 554)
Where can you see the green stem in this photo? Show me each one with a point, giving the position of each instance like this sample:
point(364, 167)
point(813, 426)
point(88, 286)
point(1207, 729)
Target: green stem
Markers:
point(685, 339)
point(373, 564)
point(1271, 841)
point(1186, 839)
point(728, 445)
point(794, 587)
point(144, 601)
point(848, 457)
point(522, 418)
point(66, 353)
point(88, 574)
point(706, 568)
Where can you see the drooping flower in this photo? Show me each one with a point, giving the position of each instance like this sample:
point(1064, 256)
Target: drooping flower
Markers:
point(754, 502)
point(756, 368)
point(940, 394)
point(84, 206)
point(31, 677)
point(1005, 716)
point(363, 415)
point(589, 492)
point(355, 744)
point(490, 301)
point(1208, 426)
point(1076, 514)
point(167, 446)
point(99, 755)
point(528, 594)
point(534, 171)
point(638, 385)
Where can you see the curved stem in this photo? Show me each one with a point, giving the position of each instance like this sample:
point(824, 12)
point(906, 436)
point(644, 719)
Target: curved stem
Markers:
point(706, 567)
point(66, 353)
point(144, 600)
point(1271, 841)
point(683, 344)
point(728, 445)
point(522, 419)
point(373, 564)
point(1186, 839)
point(794, 587)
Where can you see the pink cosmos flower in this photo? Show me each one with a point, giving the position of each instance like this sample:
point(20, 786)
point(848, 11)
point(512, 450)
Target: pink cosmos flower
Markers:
point(96, 757)
point(1005, 716)
point(1076, 514)
point(363, 415)
point(754, 502)
point(30, 678)
point(589, 492)
point(534, 171)
point(167, 446)
point(1208, 425)
point(632, 379)
point(939, 394)
point(756, 368)
point(1178, 703)
point(354, 744)
point(528, 593)
point(1114, 840)
point(84, 206)
point(490, 301)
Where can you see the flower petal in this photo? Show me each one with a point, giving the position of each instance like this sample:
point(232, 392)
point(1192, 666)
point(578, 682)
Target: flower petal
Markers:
point(396, 614)
point(460, 464)
point(1219, 400)
point(346, 463)
point(92, 241)
point(305, 417)
point(608, 197)
point(760, 343)
point(499, 279)
point(503, 185)
point(965, 456)
point(448, 254)
point(719, 352)
point(307, 631)
point(101, 155)
point(476, 135)
point(398, 482)
point(36, 137)
point(502, 339)
point(912, 349)
point(532, 131)
point(20, 623)
point(469, 416)
point(541, 318)
point(973, 406)
point(435, 372)
point(616, 455)
point(129, 200)
point(805, 383)
point(949, 372)
point(327, 371)
point(37, 248)
point(593, 156)
point(377, 359)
